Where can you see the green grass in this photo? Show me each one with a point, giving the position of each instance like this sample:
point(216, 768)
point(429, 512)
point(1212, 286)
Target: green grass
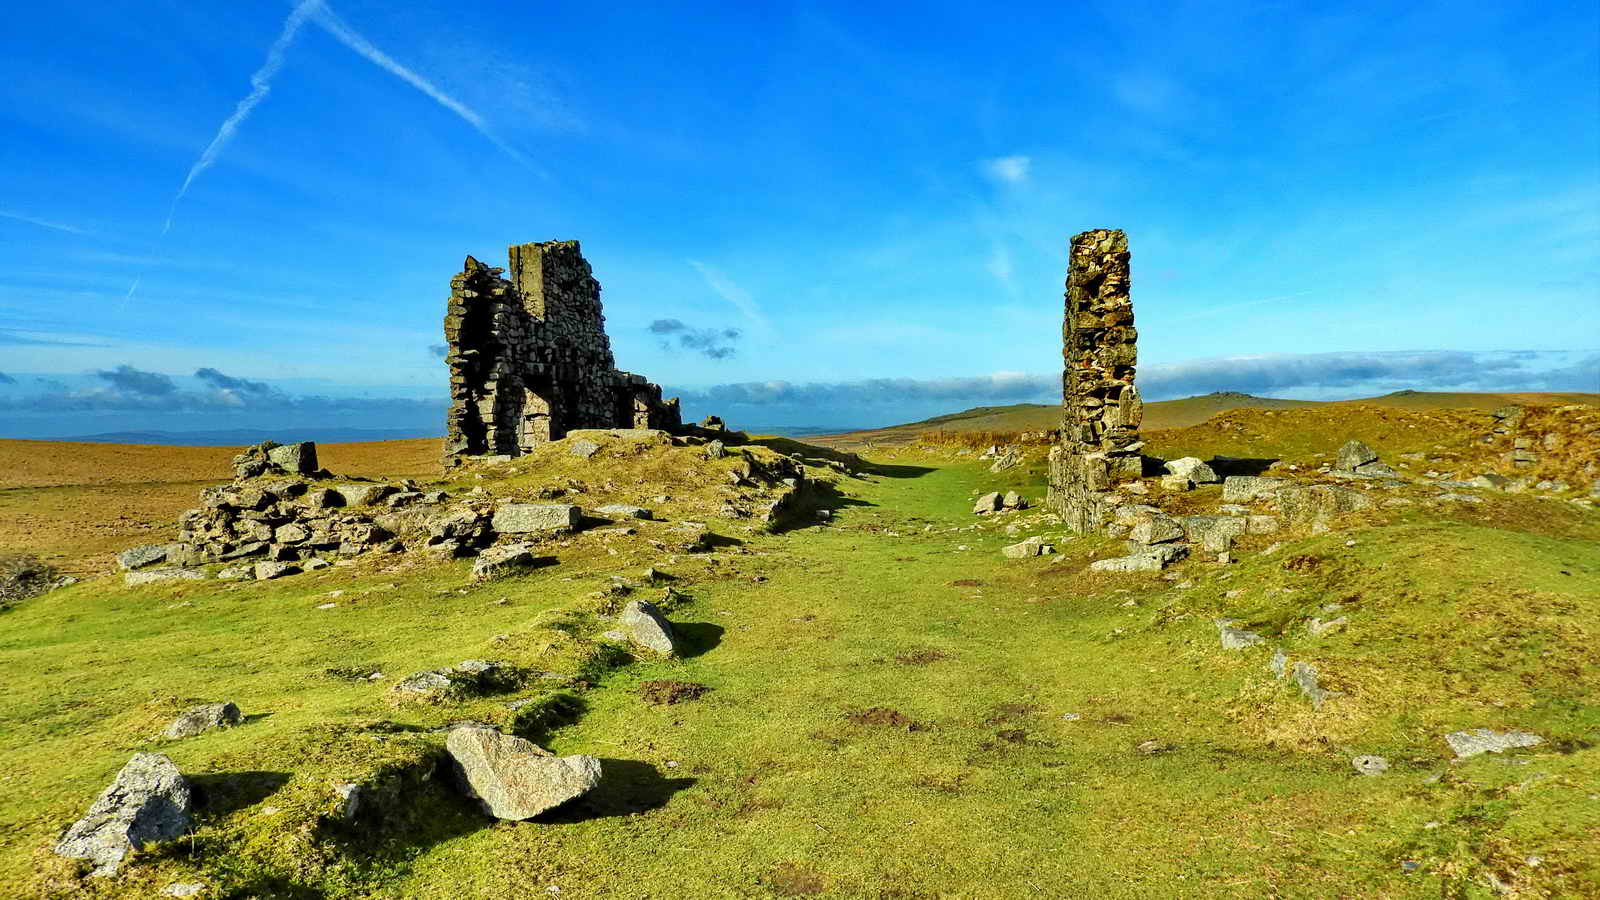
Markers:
point(767, 787)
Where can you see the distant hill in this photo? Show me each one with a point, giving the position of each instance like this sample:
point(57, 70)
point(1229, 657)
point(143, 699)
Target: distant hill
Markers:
point(244, 437)
point(1166, 414)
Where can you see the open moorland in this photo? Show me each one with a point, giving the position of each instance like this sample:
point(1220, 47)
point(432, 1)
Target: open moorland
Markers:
point(869, 697)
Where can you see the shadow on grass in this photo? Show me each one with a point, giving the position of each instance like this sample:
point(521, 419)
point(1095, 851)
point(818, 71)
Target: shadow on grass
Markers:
point(221, 793)
point(627, 787)
point(1237, 465)
point(802, 513)
point(852, 461)
point(697, 638)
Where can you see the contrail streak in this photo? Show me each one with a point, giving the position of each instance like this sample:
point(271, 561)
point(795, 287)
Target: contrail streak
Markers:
point(57, 226)
point(260, 86)
point(129, 296)
point(341, 32)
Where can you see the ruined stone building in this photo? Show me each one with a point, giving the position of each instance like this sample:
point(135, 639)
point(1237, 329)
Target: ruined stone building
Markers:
point(530, 360)
point(1100, 407)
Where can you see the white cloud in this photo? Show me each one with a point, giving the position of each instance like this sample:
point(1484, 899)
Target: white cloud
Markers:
point(1009, 169)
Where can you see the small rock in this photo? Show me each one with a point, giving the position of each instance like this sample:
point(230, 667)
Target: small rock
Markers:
point(183, 889)
point(1489, 481)
point(1370, 765)
point(515, 779)
point(236, 573)
point(647, 627)
point(624, 511)
point(149, 801)
point(583, 448)
point(201, 719)
point(1354, 454)
point(1482, 740)
point(1013, 500)
point(497, 562)
point(1279, 664)
point(988, 503)
point(1193, 469)
point(1034, 546)
point(1319, 628)
point(349, 796)
point(269, 569)
point(1306, 678)
point(1156, 530)
point(1236, 638)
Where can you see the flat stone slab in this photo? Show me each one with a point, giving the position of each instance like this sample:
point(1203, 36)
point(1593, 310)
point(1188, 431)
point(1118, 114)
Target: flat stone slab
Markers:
point(515, 779)
point(1244, 488)
point(1482, 740)
point(362, 494)
point(145, 555)
point(1153, 560)
point(624, 511)
point(154, 576)
point(149, 801)
point(1034, 546)
point(529, 518)
point(1370, 765)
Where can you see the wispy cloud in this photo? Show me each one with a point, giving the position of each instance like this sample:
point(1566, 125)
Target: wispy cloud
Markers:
point(727, 290)
point(714, 343)
point(999, 265)
point(1009, 169)
point(260, 86)
point(21, 337)
point(438, 351)
point(43, 223)
point(343, 33)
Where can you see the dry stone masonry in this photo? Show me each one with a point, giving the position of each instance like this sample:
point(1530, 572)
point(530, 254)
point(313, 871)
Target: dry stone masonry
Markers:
point(1101, 408)
point(530, 360)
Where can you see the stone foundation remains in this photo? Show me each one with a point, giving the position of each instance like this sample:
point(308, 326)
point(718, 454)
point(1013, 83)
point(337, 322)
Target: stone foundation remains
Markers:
point(530, 360)
point(1100, 406)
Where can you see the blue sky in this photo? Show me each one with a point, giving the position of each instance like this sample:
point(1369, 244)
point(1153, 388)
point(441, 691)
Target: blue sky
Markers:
point(857, 212)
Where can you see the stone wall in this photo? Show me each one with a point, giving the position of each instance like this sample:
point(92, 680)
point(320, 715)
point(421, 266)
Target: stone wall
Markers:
point(530, 360)
point(1100, 407)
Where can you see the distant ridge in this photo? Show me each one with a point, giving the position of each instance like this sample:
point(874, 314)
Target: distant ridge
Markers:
point(1163, 414)
point(242, 437)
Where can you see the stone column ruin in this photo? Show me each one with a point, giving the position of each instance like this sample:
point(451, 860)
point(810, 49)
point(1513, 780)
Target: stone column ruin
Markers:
point(1100, 407)
point(530, 360)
